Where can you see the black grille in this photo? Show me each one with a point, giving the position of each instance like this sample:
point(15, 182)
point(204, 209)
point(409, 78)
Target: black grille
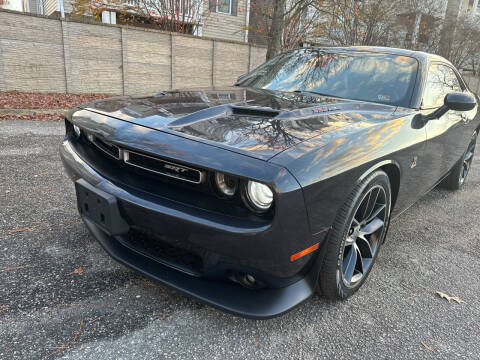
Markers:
point(107, 147)
point(161, 251)
point(163, 167)
point(139, 180)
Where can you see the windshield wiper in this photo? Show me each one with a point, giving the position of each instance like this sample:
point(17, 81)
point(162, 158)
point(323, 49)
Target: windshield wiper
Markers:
point(315, 93)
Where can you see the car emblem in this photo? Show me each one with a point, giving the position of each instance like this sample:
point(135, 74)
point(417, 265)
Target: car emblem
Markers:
point(414, 162)
point(163, 167)
point(177, 169)
point(320, 109)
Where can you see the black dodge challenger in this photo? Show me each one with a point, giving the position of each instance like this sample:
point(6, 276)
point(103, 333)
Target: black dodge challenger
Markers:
point(253, 197)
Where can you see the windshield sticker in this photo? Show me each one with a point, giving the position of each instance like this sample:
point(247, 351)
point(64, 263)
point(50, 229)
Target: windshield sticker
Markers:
point(383, 97)
point(322, 109)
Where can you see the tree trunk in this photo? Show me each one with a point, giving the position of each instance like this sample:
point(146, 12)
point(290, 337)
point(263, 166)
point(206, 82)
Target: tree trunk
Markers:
point(276, 30)
point(449, 27)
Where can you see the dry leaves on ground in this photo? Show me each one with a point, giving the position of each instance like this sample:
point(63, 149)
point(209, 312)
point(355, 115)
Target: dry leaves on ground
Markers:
point(13, 268)
point(429, 348)
point(34, 100)
point(24, 229)
point(34, 116)
point(78, 271)
point(449, 298)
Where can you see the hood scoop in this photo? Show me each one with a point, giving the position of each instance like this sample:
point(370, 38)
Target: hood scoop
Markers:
point(254, 111)
point(223, 111)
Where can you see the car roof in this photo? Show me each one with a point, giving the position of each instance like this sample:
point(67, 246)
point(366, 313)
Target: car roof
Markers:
point(419, 55)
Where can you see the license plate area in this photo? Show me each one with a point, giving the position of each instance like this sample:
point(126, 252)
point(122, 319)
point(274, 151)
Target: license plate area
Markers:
point(99, 207)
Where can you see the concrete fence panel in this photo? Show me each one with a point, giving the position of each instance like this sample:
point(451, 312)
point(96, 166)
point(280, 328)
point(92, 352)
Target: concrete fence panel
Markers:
point(31, 53)
point(257, 57)
point(232, 61)
point(192, 62)
point(50, 55)
point(95, 58)
point(148, 61)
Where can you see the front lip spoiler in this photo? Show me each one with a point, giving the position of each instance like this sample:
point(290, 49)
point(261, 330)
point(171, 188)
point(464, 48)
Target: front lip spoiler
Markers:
point(227, 296)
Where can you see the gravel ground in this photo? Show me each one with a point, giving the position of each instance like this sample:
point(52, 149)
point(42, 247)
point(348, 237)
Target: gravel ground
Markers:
point(62, 296)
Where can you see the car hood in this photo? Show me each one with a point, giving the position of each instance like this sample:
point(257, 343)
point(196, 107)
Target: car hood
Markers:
point(257, 123)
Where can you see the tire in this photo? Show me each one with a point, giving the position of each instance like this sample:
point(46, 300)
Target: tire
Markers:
point(348, 238)
point(458, 175)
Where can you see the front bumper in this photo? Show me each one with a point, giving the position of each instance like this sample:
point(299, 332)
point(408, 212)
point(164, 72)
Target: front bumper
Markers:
point(224, 247)
point(227, 296)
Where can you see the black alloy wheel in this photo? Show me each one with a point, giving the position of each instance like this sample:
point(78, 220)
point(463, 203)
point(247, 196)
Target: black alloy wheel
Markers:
point(466, 163)
point(459, 173)
point(356, 237)
point(362, 242)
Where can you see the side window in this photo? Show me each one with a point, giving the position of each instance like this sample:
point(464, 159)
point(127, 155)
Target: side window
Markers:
point(441, 80)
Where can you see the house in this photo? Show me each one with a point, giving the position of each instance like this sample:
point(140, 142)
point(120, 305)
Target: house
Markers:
point(58, 8)
point(227, 19)
point(222, 19)
point(31, 6)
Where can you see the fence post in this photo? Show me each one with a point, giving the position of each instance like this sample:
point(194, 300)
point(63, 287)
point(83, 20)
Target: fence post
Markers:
point(123, 37)
point(172, 62)
point(66, 56)
point(2, 74)
point(214, 80)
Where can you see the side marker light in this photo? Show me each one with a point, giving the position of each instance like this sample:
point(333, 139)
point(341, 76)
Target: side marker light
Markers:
point(304, 252)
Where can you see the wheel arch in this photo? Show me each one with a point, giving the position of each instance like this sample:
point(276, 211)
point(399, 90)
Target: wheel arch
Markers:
point(392, 169)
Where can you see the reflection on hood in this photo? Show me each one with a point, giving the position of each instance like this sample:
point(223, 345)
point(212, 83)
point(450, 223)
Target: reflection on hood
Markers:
point(259, 122)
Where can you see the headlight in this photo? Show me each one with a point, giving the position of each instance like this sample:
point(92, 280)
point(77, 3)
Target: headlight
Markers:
point(77, 130)
point(227, 185)
point(259, 196)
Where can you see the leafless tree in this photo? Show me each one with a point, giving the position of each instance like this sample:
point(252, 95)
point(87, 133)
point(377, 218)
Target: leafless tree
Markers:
point(287, 25)
point(170, 15)
point(464, 51)
point(420, 22)
point(350, 22)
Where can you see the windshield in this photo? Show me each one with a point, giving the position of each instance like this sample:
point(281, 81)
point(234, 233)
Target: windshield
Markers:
point(383, 78)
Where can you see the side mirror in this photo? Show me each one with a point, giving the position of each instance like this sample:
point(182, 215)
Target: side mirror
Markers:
point(455, 102)
point(459, 102)
point(240, 78)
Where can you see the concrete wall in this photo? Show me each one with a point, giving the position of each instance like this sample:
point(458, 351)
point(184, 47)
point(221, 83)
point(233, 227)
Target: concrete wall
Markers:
point(48, 55)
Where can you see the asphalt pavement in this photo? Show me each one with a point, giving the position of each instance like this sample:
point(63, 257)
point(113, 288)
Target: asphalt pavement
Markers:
point(61, 296)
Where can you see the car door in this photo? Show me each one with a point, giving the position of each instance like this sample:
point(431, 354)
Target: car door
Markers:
point(447, 137)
